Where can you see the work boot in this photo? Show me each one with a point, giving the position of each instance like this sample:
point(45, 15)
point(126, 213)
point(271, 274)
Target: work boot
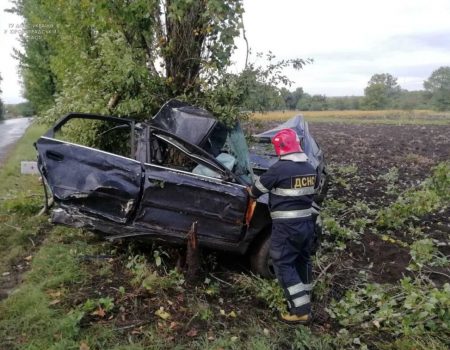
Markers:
point(295, 319)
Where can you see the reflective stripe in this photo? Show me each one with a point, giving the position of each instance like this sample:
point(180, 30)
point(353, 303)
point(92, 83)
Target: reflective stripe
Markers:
point(300, 301)
point(260, 186)
point(293, 192)
point(308, 287)
point(296, 288)
point(291, 214)
point(295, 157)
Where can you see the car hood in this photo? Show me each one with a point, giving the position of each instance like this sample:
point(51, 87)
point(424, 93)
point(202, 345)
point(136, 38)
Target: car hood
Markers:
point(296, 123)
point(262, 154)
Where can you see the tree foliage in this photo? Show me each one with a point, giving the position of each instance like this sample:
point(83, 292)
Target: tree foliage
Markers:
point(258, 84)
point(409, 100)
point(381, 91)
point(313, 103)
point(344, 102)
point(129, 57)
point(123, 57)
point(126, 57)
point(261, 96)
point(272, 99)
point(37, 76)
point(438, 86)
point(23, 109)
point(291, 98)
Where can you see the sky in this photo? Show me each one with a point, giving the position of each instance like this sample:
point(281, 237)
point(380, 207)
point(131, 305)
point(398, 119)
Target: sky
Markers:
point(8, 66)
point(349, 41)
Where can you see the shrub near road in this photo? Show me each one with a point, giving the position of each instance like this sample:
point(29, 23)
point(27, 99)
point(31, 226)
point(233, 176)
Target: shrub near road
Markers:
point(382, 271)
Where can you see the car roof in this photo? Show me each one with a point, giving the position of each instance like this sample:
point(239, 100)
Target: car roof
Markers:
point(191, 123)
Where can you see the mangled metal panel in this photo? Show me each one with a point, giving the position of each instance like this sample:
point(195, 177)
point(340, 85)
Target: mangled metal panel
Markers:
point(296, 123)
point(112, 231)
point(261, 159)
point(202, 129)
point(190, 123)
point(96, 182)
point(174, 199)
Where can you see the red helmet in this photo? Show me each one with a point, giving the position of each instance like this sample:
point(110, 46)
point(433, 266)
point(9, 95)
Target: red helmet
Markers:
point(286, 141)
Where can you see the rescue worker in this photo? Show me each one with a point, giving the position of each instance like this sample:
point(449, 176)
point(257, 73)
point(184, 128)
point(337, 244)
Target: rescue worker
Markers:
point(290, 183)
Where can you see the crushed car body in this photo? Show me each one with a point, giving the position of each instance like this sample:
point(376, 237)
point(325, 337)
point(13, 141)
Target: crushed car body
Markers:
point(180, 167)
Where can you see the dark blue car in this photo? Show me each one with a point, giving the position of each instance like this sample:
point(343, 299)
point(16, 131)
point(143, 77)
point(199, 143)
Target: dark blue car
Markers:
point(153, 179)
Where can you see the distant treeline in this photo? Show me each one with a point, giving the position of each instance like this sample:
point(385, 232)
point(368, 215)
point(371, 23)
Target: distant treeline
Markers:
point(23, 109)
point(382, 92)
point(404, 100)
point(8, 111)
point(271, 99)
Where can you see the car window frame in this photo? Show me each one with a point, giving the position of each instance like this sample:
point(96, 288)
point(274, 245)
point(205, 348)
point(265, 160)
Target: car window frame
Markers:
point(199, 155)
point(62, 121)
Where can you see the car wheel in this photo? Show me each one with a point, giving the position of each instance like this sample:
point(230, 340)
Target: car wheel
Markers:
point(323, 189)
point(260, 260)
point(318, 228)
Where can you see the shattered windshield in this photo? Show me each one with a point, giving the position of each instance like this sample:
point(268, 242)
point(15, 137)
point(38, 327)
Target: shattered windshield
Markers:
point(232, 141)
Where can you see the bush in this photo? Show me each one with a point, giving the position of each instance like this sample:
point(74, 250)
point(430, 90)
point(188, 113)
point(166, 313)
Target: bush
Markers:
point(431, 194)
point(410, 308)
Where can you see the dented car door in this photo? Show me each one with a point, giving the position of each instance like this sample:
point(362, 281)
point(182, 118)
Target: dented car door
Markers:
point(176, 194)
point(89, 180)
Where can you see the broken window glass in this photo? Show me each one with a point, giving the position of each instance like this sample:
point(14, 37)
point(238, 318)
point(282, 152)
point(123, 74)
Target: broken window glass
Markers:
point(168, 152)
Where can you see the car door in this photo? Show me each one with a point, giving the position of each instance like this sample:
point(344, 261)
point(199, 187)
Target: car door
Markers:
point(176, 194)
point(94, 181)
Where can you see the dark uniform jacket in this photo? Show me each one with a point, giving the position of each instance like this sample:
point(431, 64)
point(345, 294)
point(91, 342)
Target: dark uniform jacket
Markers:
point(290, 183)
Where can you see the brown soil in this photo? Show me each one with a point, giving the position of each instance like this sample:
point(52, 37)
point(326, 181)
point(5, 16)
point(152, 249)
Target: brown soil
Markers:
point(135, 307)
point(386, 263)
point(374, 150)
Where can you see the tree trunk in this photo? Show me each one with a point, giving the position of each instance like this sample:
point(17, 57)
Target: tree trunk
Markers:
point(193, 273)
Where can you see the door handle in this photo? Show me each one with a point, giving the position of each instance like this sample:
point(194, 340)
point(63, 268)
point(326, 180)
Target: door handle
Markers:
point(54, 156)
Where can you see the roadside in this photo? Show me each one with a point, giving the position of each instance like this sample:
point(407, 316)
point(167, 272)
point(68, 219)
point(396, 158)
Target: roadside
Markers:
point(20, 197)
point(10, 131)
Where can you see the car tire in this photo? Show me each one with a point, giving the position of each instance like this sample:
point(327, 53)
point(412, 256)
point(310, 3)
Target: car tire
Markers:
point(323, 189)
point(260, 261)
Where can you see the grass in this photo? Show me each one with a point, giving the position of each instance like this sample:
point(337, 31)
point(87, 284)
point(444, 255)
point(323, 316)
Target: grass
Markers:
point(396, 117)
point(31, 318)
point(26, 318)
point(21, 197)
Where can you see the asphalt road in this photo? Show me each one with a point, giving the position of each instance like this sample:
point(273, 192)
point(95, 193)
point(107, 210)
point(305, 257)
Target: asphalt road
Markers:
point(10, 131)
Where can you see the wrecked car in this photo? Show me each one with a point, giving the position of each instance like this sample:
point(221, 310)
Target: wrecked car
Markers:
point(154, 179)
